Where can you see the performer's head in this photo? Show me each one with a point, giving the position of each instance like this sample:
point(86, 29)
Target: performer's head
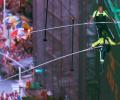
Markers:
point(100, 8)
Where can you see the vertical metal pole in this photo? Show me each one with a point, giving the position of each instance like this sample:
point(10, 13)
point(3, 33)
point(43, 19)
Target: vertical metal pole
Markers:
point(20, 81)
point(73, 22)
point(9, 38)
point(46, 19)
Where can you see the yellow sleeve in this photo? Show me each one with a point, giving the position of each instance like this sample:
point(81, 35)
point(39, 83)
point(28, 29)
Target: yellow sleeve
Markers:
point(98, 42)
point(95, 43)
point(94, 13)
point(111, 42)
point(105, 13)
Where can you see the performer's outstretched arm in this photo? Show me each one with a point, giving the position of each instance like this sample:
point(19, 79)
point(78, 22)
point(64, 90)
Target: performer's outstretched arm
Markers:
point(111, 42)
point(98, 42)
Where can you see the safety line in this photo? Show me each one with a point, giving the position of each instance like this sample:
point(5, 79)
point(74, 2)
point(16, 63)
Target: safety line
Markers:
point(70, 25)
point(59, 58)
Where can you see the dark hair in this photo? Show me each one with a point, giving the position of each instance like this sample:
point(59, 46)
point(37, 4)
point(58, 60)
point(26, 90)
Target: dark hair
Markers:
point(100, 5)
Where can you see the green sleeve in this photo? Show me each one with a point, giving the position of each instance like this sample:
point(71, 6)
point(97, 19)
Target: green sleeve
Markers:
point(96, 43)
point(111, 42)
point(94, 13)
point(106, 13)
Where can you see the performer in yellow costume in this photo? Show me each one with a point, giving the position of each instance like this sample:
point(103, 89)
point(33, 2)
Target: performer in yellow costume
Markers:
point(106, 42)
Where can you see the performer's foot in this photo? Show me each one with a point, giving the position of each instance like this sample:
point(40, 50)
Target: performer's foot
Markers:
point(102, 61)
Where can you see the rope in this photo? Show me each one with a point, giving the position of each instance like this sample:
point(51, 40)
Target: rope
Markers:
point(59, 58)
point(70, 25)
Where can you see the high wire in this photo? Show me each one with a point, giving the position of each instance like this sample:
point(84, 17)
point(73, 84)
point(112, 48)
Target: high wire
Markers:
point(59, 58)
point(64, 26)
point(70, 25)
point(52, 28)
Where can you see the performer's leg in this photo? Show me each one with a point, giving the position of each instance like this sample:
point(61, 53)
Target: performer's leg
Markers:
point(101, 55)
point(99, 31)
point(108, 31)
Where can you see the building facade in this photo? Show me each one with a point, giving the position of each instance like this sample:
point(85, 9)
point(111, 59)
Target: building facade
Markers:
point(58, 77)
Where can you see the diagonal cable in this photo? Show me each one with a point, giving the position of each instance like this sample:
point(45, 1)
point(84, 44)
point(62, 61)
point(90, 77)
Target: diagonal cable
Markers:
point(59, 58)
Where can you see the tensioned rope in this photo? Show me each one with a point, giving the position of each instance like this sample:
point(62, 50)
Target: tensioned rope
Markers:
point(70, 25)
point(59, 58)
point(64, 26)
